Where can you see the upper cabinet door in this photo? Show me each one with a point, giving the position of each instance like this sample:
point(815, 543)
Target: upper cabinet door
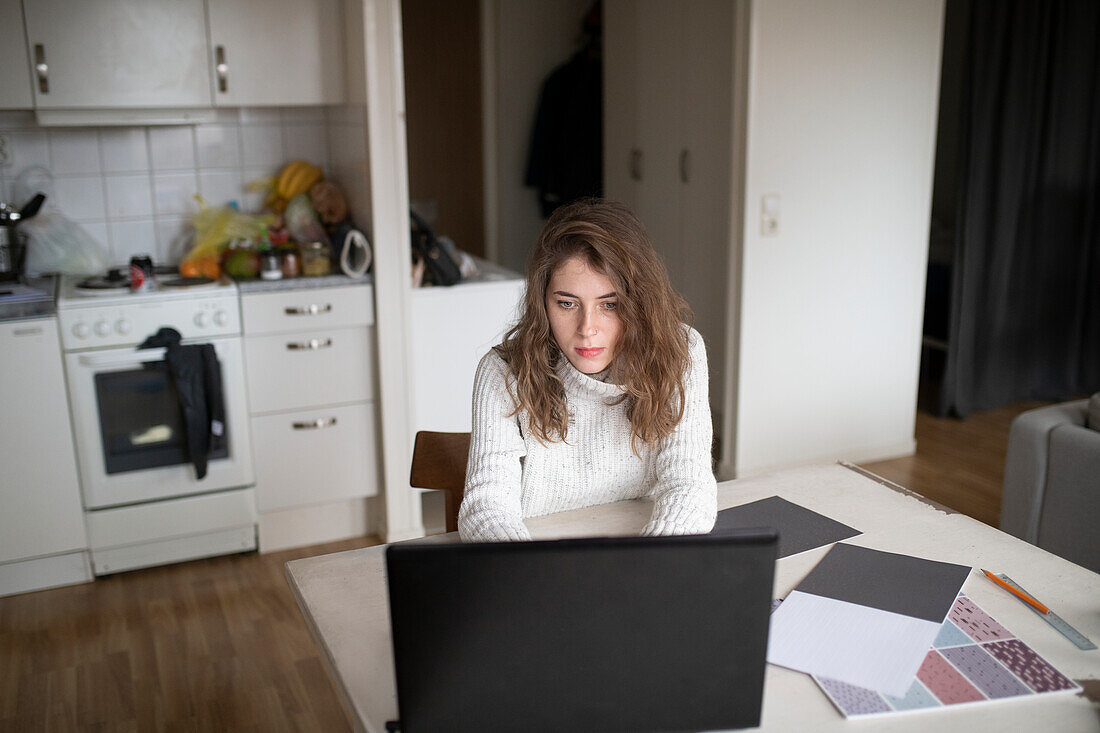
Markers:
point(118, 53)
point(15, 71)
point(277, 52)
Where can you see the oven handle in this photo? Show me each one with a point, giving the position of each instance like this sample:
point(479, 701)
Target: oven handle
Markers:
point(126, 359)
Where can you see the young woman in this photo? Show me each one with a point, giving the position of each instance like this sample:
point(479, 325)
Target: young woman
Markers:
point(598, 394)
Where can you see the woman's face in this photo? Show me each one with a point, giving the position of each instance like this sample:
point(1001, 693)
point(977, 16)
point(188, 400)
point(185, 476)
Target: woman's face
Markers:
point(581, 303)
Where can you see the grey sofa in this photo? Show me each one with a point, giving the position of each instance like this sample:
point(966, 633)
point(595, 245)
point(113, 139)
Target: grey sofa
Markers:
point(1052, 480)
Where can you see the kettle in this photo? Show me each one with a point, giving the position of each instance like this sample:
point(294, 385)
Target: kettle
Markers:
point(12, 250)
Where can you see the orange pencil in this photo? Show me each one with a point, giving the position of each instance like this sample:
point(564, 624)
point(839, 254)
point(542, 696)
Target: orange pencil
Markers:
point(1018, 593)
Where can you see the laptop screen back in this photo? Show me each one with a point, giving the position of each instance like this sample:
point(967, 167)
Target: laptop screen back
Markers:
point(630, 634)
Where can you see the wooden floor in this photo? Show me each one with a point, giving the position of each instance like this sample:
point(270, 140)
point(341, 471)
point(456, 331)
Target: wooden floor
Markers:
point(220, 644)
point(958, 463)
point(208, 645)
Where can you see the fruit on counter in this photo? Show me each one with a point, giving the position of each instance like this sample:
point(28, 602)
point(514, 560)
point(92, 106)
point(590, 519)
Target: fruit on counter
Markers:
point(242, 263)
point(205, 265)
point(329, 202)
point(296, 178)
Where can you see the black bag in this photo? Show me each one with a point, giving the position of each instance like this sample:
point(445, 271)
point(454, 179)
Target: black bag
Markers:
point(440, 267)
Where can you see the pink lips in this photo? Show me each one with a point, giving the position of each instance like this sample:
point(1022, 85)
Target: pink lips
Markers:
point(589, 353)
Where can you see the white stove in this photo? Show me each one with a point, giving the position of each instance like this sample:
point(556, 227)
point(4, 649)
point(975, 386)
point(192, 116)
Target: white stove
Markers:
point(144, 502)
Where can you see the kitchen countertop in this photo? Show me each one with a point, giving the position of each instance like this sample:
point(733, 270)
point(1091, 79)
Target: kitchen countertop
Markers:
point(300, 283)
point(17, 308)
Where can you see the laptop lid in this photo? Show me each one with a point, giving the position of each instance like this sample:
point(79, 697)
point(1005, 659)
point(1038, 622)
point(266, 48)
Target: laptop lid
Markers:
point(603, 634)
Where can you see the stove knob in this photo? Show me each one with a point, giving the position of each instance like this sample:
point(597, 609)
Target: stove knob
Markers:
point(200, 319)
point(102, 328)
point(122, 326)
point(220, 318)
point(81, 330)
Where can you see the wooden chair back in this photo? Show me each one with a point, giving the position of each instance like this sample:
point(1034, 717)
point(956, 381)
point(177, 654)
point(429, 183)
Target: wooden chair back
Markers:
point(439, 463)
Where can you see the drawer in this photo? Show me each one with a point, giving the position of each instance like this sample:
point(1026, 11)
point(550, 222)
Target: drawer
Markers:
point(295, 310)
point(309, 368)
point(315, 456)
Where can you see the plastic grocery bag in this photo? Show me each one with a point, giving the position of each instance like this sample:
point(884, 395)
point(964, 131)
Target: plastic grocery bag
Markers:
point(216, 227)
point(55, 243)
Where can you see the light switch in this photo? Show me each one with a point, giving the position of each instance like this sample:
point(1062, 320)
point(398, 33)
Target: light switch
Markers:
point(769, 215)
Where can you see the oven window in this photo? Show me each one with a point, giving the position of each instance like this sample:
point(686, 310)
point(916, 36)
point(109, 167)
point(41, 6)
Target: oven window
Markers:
point(141, 420)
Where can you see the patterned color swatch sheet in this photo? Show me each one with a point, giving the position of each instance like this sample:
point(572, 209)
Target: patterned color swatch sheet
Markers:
point(974, 659)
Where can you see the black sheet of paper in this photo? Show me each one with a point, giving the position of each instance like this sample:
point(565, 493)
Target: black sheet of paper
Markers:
point(800, 529)
point(887, 581)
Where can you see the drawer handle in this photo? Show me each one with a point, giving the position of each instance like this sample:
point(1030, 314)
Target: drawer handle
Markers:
point(311, 345)
point(321, 422)
point(309, 310)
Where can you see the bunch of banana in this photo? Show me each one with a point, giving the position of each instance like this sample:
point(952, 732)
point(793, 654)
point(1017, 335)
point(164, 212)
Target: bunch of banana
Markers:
point(296, 177)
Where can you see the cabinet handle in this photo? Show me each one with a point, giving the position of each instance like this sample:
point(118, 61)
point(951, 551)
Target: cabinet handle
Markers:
point(309, 310)
point(41, 68)
point(221, 68)
point(685, 165)
point(321, 422)
point(31, 331)
point(311, 345)
point(636, 164)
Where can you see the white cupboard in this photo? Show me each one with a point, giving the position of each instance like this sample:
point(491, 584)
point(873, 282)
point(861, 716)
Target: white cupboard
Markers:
point(310, 368)
point(118, 53)
point(277, 52)
point(15, 70)
point(42, 535)
point(669, 147)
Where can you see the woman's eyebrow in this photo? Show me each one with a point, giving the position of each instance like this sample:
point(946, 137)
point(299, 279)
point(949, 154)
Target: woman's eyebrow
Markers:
point(612, 294)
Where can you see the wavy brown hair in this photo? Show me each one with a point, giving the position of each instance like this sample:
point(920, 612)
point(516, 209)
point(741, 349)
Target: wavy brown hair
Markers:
point(651, 357)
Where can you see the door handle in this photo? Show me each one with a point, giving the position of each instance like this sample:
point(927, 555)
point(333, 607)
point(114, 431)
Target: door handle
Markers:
point(41, 68)
point(221, 68)
point(311, 345)
point(635, 164)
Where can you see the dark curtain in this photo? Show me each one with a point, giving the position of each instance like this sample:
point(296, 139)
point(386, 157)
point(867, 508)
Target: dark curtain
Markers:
point(1025, 297)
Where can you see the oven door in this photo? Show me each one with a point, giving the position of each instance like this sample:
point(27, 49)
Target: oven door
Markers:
point(130, 434)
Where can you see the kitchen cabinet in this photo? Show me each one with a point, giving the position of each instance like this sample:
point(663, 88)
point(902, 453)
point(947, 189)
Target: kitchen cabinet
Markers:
point(669, 100)
point(118, 53)
point(15, 70)
point(277, 52)
point(310, 369)
point(42, 537)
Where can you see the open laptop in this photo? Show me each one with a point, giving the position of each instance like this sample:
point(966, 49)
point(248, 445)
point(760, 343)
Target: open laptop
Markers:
point(605, 634)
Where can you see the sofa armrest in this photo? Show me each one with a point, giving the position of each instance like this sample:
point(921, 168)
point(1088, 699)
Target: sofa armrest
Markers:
point(1026, 465)
point(1071, 496)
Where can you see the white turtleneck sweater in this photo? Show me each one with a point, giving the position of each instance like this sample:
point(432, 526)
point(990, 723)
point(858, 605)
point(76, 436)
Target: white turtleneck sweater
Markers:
point(510, 475)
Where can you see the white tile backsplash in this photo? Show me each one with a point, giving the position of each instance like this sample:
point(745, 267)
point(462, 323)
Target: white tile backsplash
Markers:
point(129, 238)
point(74, 150)
point(262, 145)
point(173, 193)
point(220, 187)
point(27, 148)
point(80, 198)
point(307, 142)
point(125, 149)
point(131, 188)
point(172, 148)
point(129, 196)
point(218, 146)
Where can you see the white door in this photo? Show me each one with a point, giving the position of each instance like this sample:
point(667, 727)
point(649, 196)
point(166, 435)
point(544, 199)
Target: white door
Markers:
point(119, 53)
point(277, 52)
point(40, 511)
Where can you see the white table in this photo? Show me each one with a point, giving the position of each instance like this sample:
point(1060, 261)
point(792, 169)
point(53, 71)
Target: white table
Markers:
point(343, 598)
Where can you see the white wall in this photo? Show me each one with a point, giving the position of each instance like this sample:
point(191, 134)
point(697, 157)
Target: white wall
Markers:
point(531, 37)
point(841, 124)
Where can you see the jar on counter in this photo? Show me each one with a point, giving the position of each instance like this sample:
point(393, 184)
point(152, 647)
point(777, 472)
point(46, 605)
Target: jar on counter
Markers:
point(290, 260)
point(270, 267)
point(316, 259)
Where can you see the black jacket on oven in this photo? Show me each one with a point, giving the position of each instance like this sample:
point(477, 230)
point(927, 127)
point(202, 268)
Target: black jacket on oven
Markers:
point(197, 378)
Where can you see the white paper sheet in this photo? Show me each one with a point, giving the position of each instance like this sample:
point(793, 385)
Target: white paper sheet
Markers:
point(857, 644)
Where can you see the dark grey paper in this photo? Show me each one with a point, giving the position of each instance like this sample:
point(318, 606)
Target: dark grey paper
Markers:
point(903, 584)
point(799, 528)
